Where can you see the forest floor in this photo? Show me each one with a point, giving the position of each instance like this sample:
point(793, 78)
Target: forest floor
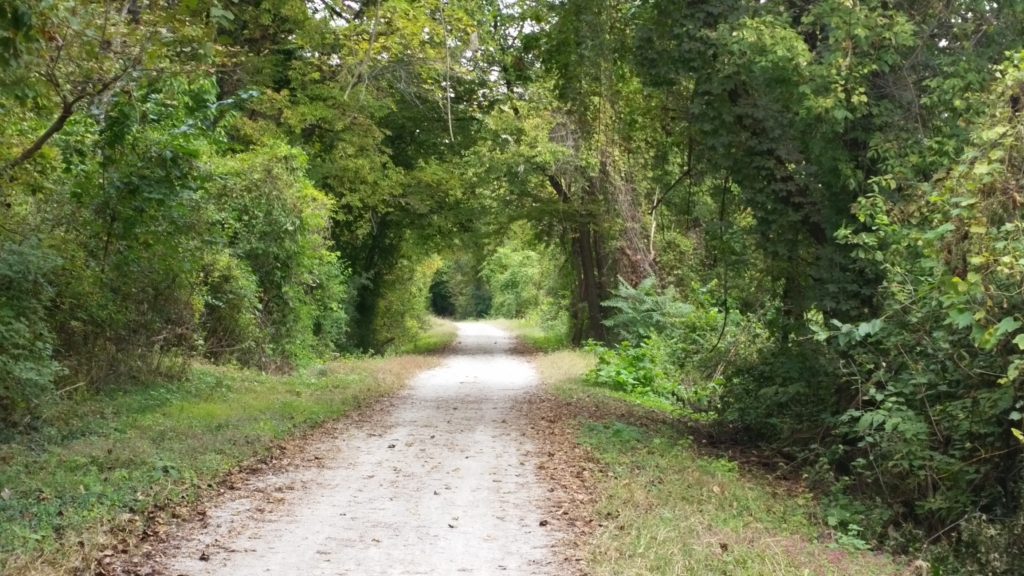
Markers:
point(643, 493)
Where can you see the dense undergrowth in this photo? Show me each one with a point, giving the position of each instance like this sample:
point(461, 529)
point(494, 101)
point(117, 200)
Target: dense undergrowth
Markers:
point(903, 422)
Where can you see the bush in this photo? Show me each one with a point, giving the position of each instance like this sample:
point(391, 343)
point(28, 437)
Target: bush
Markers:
point(785, 392)
point(131, 229)
point(230, 317)
point(674, 350)
point(404, 310)
point(27, 366)
point(644, 370)
point(987, 545)
point(277, 224)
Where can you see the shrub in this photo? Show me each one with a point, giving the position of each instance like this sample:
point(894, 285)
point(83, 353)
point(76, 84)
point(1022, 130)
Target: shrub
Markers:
point(674, 350)
point(230, 317)
point(644, 370)
point(278, 224)
point(405, 303)
point(27, 367)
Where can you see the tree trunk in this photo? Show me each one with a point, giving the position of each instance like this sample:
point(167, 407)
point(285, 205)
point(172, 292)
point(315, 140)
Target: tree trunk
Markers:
point(590, 286)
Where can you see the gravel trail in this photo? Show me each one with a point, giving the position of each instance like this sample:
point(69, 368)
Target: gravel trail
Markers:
point(441, 482)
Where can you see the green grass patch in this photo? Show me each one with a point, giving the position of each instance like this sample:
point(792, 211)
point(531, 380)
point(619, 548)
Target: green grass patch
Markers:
point(434, 340)
point(99, 462)
point(534, 336)
point(669, 507)
point(670, 510)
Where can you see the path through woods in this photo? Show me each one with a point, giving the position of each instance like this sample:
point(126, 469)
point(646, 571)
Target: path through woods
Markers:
point(439, 482)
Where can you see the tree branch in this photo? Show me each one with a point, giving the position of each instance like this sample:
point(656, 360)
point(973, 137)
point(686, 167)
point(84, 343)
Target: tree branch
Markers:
point(66, 111)
point(559, 189)
point(58, 124)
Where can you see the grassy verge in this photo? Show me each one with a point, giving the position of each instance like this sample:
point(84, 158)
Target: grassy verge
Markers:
point(665, 506)
point(101, 465)
point(435, 340)
point(536, 338)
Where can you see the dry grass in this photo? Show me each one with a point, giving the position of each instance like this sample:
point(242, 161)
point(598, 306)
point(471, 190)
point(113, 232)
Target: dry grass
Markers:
point(650, 502)
point(557, 369)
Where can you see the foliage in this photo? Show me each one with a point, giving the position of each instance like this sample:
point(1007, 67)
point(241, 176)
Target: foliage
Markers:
point(524, 281)
point(458, 290)
point(935, 376)
point(230, 320)
point(825, 196)
point(404, 306)
point(644, 370)
point(278, 225)
point(27, 368)
point(671, 349)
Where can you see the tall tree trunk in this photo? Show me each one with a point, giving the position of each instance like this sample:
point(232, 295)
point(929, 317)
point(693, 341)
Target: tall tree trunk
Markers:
point(590, 286)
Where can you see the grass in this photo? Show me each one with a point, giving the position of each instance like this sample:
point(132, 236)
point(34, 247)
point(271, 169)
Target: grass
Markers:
point(668, 507)
point(102, 463)
point(537, 338)
point(435, 340)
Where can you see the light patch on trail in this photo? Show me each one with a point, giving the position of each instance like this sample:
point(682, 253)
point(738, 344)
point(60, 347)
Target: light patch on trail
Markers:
point(443, 484)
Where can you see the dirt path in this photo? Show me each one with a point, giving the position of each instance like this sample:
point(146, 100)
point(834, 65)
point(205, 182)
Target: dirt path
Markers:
point(441, 483)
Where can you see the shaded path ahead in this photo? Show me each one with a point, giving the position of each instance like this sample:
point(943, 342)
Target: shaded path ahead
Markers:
point(442, 483)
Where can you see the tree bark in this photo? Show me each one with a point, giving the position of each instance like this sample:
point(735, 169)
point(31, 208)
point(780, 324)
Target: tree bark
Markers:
point(590, 286)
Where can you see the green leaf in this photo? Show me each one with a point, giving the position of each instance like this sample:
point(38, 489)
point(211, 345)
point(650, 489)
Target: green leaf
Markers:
point(1007, 325)
point(221, 16)
point(1013, 371)
point(961, 318)
point(868, 328)
point(1019, 341)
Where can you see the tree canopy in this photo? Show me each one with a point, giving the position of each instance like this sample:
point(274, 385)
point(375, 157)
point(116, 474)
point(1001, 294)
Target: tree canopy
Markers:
point(797, 220)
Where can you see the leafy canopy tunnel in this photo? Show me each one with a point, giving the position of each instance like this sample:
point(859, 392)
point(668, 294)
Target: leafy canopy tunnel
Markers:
point(796, 221)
